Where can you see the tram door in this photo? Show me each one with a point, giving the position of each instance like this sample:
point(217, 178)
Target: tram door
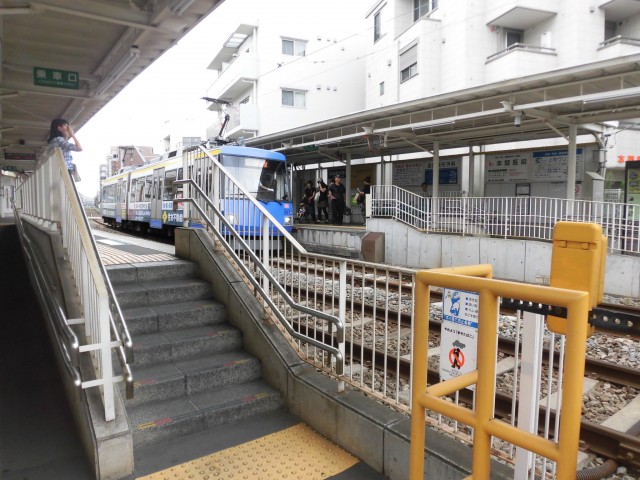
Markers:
point(156, 194)
point(121, 199)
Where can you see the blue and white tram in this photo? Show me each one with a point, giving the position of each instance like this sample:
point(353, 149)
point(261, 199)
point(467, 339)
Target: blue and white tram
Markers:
point(141, 199)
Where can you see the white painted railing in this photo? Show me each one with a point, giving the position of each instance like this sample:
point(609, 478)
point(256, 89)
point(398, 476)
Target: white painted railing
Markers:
point(48, 198)
point(507, 217)
point(264, 252)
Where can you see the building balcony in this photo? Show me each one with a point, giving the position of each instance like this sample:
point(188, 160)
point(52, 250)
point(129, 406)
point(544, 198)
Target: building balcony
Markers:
point(233, 80)
point(519, 60)
point(619, 10)
point(521, 14)
point(243, 122)
point(618, 46)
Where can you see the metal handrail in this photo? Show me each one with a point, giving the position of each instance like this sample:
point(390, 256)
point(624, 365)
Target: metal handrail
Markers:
point(302, 308)
point(70, 360)
point(521, 47)
point(51, 196)
point(118, 323)
point(258, 205)
point(619, 39)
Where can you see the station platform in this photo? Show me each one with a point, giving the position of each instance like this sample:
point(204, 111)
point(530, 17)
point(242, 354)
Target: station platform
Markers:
point(277, 445)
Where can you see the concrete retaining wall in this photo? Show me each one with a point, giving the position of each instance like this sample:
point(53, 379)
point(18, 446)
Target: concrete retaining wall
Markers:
point(517, 260)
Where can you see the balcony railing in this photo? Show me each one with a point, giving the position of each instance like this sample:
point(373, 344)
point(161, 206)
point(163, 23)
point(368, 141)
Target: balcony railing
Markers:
point(619, 39)
point(523, 48)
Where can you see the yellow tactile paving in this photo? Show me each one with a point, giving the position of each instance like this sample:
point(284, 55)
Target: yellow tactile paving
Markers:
point(297, 452)
point(114, 256)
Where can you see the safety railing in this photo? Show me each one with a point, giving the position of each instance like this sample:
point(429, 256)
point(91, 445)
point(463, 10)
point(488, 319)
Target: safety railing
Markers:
point(619, 39)
point(48, 197)
point(559, 444)
point(507, 217)
point(243, 226)
point(521, 47)
point(63, 336)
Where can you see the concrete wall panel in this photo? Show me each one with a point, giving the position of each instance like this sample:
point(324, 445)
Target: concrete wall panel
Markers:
point(508, 267)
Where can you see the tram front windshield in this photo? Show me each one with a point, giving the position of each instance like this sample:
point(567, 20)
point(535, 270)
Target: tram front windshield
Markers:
point(265, 179)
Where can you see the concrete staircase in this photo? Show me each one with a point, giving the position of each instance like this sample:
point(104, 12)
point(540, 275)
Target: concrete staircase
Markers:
point(190, 370)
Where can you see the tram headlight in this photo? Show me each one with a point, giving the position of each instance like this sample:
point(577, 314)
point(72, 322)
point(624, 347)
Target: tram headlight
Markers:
point(232, 219)
point(287, 220)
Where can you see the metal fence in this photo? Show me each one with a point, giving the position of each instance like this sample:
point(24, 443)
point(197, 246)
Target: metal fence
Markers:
point(353, 313)
point(507, 217)
point(49, 199)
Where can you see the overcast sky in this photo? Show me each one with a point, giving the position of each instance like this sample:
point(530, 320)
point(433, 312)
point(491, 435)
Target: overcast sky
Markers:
point(169, 89)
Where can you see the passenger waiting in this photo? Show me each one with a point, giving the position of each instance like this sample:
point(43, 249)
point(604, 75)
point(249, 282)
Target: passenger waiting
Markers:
point(337, 192)
point(323, 201)
point(309, 199)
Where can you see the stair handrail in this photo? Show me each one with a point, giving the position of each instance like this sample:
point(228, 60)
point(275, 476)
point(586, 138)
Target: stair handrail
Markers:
point(51, 198)
point(268, 277)
point(273, 281)
point(58, 324)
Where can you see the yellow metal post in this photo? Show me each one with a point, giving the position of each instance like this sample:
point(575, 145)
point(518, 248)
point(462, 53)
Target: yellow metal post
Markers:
point(420, 350)
point(422, 300)
point(485, 393)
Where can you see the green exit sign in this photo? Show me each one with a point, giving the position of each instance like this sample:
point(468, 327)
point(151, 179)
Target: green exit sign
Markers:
point(51, 77)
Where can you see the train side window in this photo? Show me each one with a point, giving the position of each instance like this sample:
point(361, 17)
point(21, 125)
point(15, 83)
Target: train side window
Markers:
point(147, 187)
point(169, 192)
point(139, 189)
point(132, 190)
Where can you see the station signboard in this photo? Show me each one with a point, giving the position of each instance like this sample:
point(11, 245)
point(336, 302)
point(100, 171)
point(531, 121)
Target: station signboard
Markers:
point(458, 333)
point(49, 77)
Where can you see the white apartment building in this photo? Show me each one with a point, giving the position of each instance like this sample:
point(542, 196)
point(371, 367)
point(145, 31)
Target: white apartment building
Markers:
point(290, 66)
point(308, 64)
point(419, 48)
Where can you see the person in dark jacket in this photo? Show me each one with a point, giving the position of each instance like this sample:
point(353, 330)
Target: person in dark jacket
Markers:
point(337, 193)
point(309, 199)
point(323, 201)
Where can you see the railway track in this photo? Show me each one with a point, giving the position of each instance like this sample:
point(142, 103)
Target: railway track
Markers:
point(598, 439)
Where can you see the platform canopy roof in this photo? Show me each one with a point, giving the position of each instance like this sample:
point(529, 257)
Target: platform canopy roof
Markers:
point(69, 58)
point(536, 107)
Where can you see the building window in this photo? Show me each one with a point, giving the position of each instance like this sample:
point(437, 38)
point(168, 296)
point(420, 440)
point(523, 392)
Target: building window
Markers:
point(377, 27)
point(294, 98)
point(408, 62)
point(512, 37)
point(423, 7)
point(381, 88)
point(294, 47)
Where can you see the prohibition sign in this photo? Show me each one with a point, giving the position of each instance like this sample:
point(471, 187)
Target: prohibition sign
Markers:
point(456, 358)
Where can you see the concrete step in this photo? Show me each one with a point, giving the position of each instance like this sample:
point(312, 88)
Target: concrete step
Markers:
point(152, 422)
point(151, 271)
point(187, 377)
point(165, 317)
point(135, 295)
point(177, 345)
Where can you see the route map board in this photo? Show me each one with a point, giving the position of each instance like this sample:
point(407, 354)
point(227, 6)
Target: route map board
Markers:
point(458, 333)
point(412, 173)
point(551, 165)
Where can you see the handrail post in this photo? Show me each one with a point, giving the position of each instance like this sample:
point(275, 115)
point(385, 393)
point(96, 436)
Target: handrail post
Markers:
point(266, 243)
point(342, 308)
point(105, 358)
point(419, 374)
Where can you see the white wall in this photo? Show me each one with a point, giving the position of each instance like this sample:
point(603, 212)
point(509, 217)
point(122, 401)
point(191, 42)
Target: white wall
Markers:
point(334, 34)
point(407, 247)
